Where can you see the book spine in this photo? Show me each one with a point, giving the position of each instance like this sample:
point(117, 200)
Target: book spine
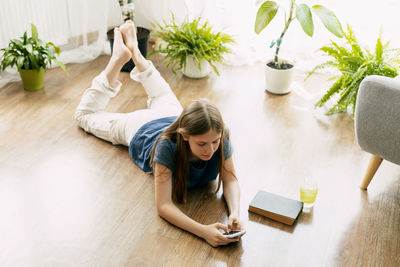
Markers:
point(273, 216)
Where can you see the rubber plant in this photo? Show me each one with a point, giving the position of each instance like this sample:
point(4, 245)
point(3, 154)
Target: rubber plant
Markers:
point(300, 12)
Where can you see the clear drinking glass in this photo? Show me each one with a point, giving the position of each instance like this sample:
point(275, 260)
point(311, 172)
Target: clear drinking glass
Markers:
point(308, 191)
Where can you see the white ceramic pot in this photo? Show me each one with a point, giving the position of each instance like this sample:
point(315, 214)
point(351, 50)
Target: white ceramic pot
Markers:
point(192, 70)
point(278, 81)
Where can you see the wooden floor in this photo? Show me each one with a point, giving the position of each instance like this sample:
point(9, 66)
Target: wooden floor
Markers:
point(70, 199)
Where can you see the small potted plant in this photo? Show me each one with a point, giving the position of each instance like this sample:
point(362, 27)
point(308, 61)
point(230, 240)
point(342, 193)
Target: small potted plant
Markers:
point(191, 46)
point(354, 63)
point(278, 72)
point(31, 56)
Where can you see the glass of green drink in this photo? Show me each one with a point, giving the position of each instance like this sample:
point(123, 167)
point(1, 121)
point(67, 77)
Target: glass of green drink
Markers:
point(308, 191)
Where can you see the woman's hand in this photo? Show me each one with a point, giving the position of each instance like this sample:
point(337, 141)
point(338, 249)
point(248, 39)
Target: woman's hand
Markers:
point(214, 237)
point(234, 223)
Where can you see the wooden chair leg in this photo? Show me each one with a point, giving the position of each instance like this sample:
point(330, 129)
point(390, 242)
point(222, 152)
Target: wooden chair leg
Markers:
point(373, 166)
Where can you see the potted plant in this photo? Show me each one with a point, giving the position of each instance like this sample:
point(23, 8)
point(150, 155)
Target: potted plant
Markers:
point(278, 71)
point(354, 63)
point(31, 56)
point(128, 13)
point(191, 46)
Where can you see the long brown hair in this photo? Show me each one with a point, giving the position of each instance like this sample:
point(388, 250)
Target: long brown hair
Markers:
point(197, 118)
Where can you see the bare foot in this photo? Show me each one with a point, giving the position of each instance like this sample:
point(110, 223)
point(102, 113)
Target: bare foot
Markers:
point(121, 53)
point(129, 34)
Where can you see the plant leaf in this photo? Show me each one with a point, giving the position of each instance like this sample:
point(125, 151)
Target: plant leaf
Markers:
point(322, 66)
point(29, 48)
point(18, 45)
point(50, 52)
point(329, 20)
point(9, 60)
point(378, 50)
point(265, 14)
point(34, 62)
point(20, 62)
point(304, 16)
point(56, 48)
point(62, 66)
point(34, 32)
point(333, 90)
point(25, 38)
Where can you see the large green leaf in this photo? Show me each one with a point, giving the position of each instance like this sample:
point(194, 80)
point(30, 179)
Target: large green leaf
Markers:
point(18, 45)
point(56, 48)
point(8, 60)
point(34, 61)
point(20, 62)
point(304, 16)
point(265, 14)
point(50, 52)
point(28, 48)
point(34, 32)
point(329, 20)
point(25, 38)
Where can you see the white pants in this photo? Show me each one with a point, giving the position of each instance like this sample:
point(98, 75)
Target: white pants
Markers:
point(119, 128)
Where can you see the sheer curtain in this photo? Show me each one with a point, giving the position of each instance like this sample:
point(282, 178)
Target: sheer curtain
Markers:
point(78, 27)
point(237, 17)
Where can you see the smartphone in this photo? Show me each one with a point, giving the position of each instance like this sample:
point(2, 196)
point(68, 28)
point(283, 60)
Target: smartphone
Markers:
point(234, 233)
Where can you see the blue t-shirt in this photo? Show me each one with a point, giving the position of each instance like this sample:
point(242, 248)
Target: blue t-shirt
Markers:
point(142, 143)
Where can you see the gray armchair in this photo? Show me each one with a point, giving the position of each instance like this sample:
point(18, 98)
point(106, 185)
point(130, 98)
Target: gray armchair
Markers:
point(377, 121)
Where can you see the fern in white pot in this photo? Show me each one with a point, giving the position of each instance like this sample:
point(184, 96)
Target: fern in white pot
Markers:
point(191, 46)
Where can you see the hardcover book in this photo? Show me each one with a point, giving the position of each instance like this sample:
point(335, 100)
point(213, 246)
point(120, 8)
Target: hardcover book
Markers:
point(276, 207)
